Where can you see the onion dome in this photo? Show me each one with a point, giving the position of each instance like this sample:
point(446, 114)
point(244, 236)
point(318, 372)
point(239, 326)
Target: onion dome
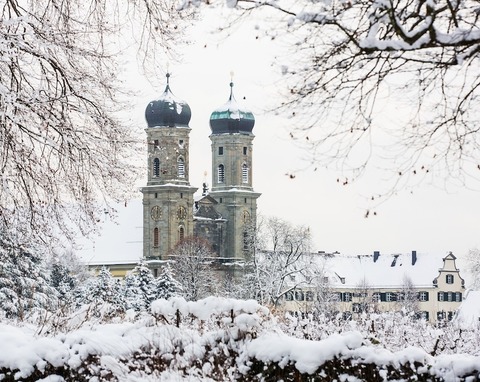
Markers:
point(167, 111)
point(232, 118)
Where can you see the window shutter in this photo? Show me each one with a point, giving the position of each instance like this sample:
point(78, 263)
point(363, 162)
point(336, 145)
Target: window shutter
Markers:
point(383, 297)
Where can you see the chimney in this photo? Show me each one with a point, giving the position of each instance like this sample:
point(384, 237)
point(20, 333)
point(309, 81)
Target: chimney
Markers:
point(414, 257)
point(376, 255)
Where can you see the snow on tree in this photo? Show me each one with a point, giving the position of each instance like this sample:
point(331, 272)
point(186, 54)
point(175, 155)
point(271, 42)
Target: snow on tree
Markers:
point(280, 262)
point(24, 284)
point(103, 293)
point(166, 284)
point(140, 288)
point(62, 144)
point(192, 264)
point(368, 81)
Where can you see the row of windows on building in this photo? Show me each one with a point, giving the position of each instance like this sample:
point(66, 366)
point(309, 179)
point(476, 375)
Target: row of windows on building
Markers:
point(348, 315)
point(221, 173)
point(299, 295)
point(244, 150)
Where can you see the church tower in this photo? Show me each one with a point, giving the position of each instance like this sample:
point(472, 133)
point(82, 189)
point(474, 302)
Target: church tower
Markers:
point(232, 165)
point(168, 196)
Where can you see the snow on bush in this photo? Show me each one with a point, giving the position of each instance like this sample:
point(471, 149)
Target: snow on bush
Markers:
point(210, 340)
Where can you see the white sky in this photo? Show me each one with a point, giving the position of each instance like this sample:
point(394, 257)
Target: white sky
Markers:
point(431, 220)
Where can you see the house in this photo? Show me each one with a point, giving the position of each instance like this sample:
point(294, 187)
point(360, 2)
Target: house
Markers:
point(427, 285)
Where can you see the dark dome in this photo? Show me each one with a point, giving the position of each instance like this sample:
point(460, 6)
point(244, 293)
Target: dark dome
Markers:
point(232, 118)
point(168, 111)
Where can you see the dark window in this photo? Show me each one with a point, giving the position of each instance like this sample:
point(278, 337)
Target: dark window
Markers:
point(181, 195)
point(346, 297)
point(423, 315)
point(299, 295)
point(441, 296)
point(245, 240)
point(181, 233)
point(289, 296)
point(244, 150)
point(155, 237)
point(376, 297)
point(347, 315)
point(221, 200)
point(441, 316)
point(220, 150)
point(458, 297)
point(180, 143)
point(423, 296)
point(156, 167)
point(155, 143)
point(309, 296)
point(449, 279)
point(156, 195)
point(390, 296)
point(356, 307)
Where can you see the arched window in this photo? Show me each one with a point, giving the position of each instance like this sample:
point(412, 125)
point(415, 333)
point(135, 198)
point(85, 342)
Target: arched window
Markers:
point(181, 233)
point(181, 167)
point(155, 237)
point(156, 167)
point(244, 173)
point(221, 173)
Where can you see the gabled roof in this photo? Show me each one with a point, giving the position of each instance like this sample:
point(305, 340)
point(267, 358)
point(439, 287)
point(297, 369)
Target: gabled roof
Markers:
point(206, 209)
point(379, 270)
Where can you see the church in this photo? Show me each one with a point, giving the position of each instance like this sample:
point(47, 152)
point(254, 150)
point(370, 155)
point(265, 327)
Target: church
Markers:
point(224, 213)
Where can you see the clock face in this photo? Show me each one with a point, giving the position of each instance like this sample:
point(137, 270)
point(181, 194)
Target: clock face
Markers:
point(156, 213)
point(182, 213)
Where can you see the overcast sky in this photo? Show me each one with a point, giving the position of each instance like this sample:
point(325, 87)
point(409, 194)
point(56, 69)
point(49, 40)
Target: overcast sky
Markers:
point(431, 219)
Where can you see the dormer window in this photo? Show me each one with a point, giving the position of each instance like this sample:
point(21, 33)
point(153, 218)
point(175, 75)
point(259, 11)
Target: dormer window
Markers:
point(449, 279)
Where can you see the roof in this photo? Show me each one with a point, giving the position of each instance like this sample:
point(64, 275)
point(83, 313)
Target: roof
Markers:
point(120, 239)
point(380, 270)
point(468, 314)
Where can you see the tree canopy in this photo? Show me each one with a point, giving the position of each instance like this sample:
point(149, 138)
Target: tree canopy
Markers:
point(390, 84)
point(64, 151)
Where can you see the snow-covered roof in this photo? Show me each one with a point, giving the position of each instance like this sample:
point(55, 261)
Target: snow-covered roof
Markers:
point(120, 239)
point(380, 270)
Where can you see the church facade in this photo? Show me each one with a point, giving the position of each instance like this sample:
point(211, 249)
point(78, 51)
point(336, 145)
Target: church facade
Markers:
point(222, 215)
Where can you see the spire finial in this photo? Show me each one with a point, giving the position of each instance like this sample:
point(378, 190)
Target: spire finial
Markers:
point(231, 84)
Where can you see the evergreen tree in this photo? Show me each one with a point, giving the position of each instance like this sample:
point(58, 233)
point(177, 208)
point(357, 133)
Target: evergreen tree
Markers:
point(24, 285)
point(140, 288)
point(166, 284)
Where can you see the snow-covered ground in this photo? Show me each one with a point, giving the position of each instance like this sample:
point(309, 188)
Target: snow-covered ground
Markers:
point(208, 340)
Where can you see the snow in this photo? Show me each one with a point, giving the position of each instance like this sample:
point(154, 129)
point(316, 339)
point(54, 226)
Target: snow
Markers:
point(468, 315)
point(122, 349)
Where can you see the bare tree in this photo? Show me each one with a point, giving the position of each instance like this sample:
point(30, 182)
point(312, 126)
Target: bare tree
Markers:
point(407, 299)
point(64, 152)
point(395, 81)
point(281, 260)
point(192, 264)
point(472, 262)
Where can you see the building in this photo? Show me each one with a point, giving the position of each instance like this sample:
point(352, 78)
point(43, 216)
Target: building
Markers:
point(351, 285)
point(223, 214)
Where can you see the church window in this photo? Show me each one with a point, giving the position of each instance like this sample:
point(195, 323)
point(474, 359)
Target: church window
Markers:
point(156, 195)
point(244, 150)
point(156, 143)
point(180, 143)
point(155, 237)
point(449, 279)
point(244, 173)
point(221, 173)
point(245, 241)
point(181, 233)
point(156, 167)
point(181, 195)
point(220, 150)
point(181, 167)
